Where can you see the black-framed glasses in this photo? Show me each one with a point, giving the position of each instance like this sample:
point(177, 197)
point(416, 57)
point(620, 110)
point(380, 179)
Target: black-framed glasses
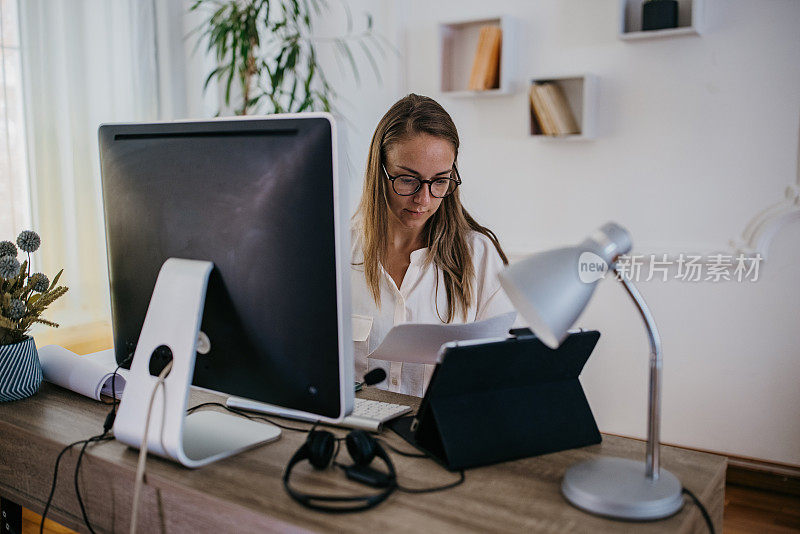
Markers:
point(406, 185)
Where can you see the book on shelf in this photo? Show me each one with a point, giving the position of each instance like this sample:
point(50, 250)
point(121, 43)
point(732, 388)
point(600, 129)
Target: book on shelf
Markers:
point(540, 112)
point(486, 65)
point(565, 121)
point(552, 109)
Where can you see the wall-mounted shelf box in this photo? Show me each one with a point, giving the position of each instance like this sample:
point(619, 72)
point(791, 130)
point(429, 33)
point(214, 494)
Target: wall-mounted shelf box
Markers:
point(580, 91)
point(458, 42)
point(690, 21)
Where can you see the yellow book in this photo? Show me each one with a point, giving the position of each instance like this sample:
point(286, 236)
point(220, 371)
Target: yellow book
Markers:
point(486, 64)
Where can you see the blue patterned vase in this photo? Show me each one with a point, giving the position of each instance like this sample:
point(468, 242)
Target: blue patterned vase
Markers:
point(20, 371)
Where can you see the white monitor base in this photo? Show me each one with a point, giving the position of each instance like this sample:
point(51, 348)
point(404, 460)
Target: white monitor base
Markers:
point(209, 436)
point(173, 323)
point(618, 488)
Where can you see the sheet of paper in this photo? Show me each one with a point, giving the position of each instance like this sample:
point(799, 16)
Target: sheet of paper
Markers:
point(420, 343)
point(89, 375)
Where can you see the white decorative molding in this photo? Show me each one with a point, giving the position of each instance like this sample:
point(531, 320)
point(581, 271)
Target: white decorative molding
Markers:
point(759, 232)
point(762, 228)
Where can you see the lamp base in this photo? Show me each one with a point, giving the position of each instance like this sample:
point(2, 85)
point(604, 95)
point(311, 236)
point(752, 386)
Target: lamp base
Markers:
point(619, 488)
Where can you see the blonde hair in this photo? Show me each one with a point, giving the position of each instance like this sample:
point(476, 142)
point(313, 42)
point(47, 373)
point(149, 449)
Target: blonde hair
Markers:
point(445, 233)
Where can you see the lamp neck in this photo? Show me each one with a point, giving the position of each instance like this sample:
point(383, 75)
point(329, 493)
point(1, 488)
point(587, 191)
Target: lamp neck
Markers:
point(654, 410)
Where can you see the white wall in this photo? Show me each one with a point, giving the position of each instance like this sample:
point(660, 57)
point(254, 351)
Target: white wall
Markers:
point(361, 104)
point(695, 136)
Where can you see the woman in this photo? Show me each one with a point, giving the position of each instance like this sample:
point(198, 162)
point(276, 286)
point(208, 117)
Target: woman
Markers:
point(418, 256)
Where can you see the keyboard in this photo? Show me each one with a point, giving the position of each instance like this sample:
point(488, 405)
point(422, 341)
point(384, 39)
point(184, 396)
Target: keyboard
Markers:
point(370, 415)
point(367, 414)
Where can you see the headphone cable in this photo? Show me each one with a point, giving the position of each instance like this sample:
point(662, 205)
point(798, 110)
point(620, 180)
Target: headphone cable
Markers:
point(461, 478)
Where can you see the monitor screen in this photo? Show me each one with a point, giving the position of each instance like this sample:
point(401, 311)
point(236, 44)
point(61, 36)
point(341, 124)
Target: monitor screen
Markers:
point(259, 199)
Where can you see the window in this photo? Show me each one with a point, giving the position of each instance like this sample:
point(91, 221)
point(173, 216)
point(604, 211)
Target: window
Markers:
point(15, 213)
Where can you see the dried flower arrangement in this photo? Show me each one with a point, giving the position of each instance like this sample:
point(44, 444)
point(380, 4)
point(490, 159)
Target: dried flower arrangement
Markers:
point(24, 295)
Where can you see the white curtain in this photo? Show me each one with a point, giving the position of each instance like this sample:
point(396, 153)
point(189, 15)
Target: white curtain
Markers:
point(88, 62)
point(14, 194)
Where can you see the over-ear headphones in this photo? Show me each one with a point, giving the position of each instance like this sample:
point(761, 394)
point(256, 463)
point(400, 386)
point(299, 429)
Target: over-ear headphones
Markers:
point(319, 449)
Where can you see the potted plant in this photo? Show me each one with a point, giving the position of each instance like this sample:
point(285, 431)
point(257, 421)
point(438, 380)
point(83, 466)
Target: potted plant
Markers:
point(266, 50)
point(24, 297)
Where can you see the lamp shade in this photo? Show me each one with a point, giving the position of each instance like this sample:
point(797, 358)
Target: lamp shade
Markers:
point(550, 289)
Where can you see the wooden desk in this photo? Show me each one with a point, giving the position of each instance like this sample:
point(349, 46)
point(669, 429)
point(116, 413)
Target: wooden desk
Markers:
point(244, 493)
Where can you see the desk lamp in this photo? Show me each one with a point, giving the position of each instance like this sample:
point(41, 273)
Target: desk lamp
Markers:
point(550, 289)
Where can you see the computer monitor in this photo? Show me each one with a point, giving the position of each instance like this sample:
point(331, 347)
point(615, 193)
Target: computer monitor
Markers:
point(259, 198)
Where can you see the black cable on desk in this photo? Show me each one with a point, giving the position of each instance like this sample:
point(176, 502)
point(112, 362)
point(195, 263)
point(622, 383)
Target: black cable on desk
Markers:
point(102, 437)
point(702, 509)
point(55, 478)
point(407, 454)
point(247, 415)
point(404, 453)
point(107, 425)
point(458, 482)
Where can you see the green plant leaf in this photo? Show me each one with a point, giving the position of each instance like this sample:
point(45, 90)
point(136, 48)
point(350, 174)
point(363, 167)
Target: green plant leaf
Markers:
point(22, 291)
point(45, 321)
point(292, 94)
point(291, 57)
point(372, 61)
point(349, 14)
point(343, 48)
point(231, 72)
point(387, 43)
point(211, 76)
point(55, 280)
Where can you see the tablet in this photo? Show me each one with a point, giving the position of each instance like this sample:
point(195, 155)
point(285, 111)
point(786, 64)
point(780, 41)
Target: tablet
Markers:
point(496, 400)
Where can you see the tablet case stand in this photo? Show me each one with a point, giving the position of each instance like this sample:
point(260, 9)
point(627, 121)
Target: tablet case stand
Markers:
point(494, 401)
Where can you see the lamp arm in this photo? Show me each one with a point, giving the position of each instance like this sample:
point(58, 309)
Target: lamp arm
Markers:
point(652, 464)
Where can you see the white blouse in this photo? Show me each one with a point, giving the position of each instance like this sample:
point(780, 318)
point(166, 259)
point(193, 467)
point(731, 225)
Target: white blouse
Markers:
point(413, 302)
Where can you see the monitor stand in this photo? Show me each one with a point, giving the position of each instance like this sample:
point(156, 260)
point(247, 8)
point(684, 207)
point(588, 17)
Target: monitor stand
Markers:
point(171, 326)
